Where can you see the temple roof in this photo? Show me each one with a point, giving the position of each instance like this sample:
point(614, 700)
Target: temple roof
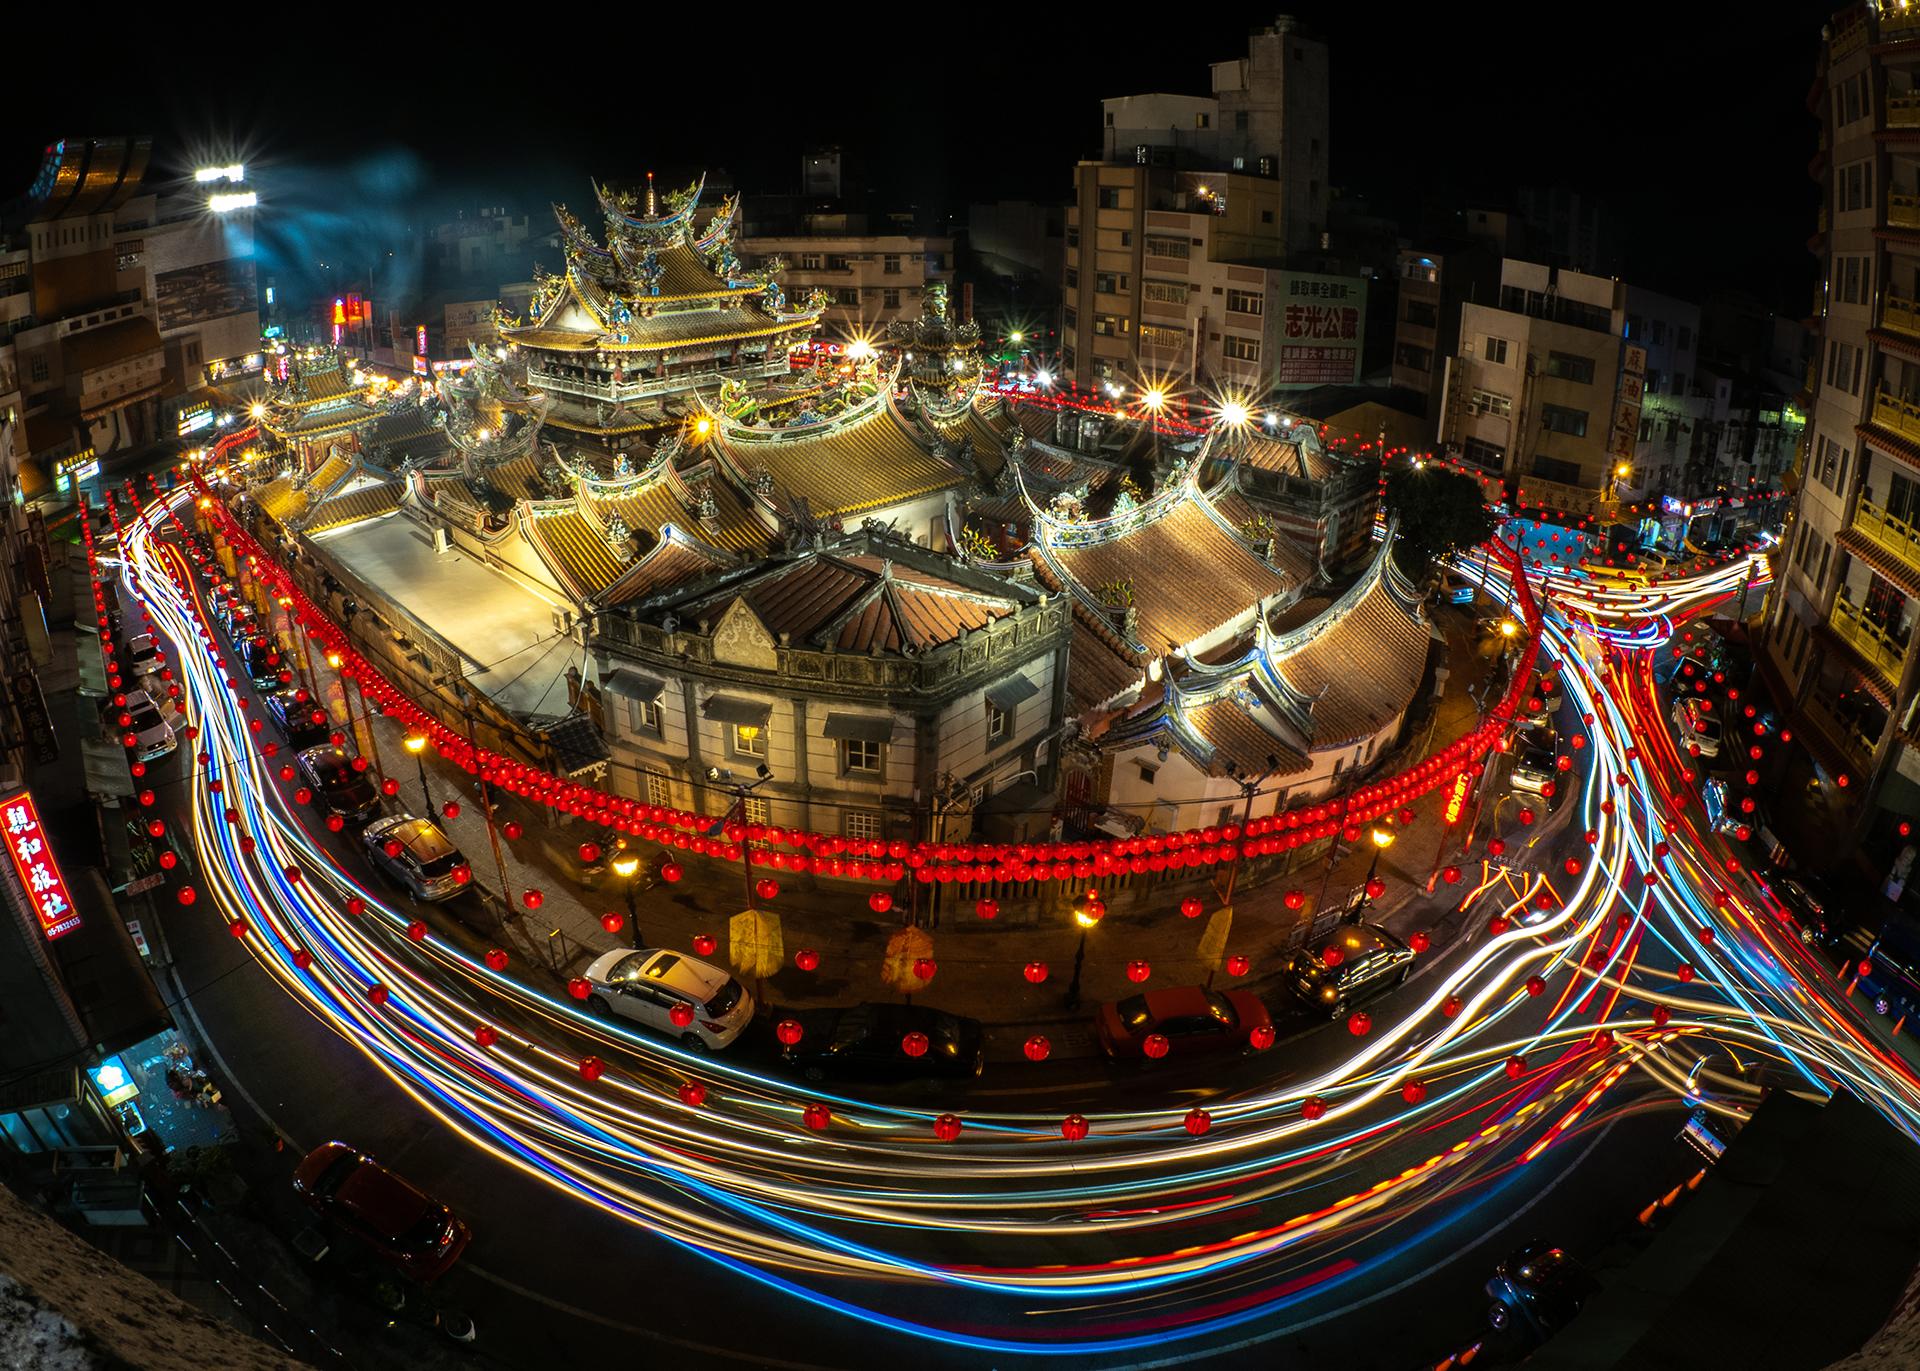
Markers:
point(866, 461)
point(367, 502)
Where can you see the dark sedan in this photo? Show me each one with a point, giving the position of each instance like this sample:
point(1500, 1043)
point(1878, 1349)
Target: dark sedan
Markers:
point(1809, 905)
point(1536, 1292)
point(340, 789)
point(295, 719)
point(878, 1042)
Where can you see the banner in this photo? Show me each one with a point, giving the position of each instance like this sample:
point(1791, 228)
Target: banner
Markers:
point(1323, 323)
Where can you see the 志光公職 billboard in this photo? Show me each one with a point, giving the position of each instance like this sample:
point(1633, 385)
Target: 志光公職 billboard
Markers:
point(1322, 328)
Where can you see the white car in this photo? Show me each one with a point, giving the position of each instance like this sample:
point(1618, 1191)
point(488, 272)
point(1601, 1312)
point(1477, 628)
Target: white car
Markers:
point(153, 734)
point(1697, 727)
point(143, 657)
point(645, 987)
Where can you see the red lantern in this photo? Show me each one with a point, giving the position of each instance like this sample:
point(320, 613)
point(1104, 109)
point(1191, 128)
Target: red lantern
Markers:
point(1516, 1067)
point(1684, 972)
point(451, 809)
point(392, 847)
point(915, 1044)
point(1313, 1107)
point(807, 959)
point(1260, 1038)
point(1156, 1045)
point(1191, 907)
point(496, 959)
point(579, 987)
point(1450, 874)
point(1035, 972)
point(613, 921)
point(987, 908)
point(238, 928)
point(1376, 888)
point(1451, 1006)
point(1073, 1128)
point(880, 902)
point(355, 905)
point(1138, 971)
point(417, 930)
point(946, 1127)
point(1239, 964)
point(923, 969)
point(1536, 985)
point(1037, 1048)
point(766, 887)
point(1420, 940)
point(1497, 847)
point(1294, 899)
point(788, 1031)
point(589, 853)
point(532, 898)
point(1414, 1090)
point(704, 944)
point(510, 830)
point(671, 872)
point(1359, 1023)
point(592, 1069)
point(376, 994)
point(1198, 1121)
point(680, 1014)
point(692, 1094)
point(1661, 1014)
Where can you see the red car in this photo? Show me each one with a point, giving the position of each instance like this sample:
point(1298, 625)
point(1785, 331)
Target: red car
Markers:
point(1190, 1018)
point(405, 1226)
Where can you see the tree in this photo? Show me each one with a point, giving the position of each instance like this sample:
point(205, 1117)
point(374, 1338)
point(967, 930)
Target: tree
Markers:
point(1439, 512)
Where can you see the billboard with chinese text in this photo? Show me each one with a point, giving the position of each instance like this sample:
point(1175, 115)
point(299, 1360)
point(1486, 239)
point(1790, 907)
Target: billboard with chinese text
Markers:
point(1322, 328)
point(33, 862)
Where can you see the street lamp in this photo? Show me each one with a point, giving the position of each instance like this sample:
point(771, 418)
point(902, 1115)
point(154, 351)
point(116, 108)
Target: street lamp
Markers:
point(416, 743)
point(1086, 916)
point(626, 866)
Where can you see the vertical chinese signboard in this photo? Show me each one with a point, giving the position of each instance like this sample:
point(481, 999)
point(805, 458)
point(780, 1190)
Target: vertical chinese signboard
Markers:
point(1626, 404)
point(1322, 326)
point(33, 862)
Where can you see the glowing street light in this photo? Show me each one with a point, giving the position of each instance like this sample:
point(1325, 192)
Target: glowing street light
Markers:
point(232, 200)
point(1508, 628)
point(1154, 400)
point(1044, 377)
point(626, 866)
point(211, 175)
point(416, 743)
point(1233, 414)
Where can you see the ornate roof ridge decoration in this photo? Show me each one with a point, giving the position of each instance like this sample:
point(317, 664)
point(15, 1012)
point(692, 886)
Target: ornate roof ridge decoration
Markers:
point(1277, 647)
point(1206, 500)
point(620, 487)
point(619, 207)
point(731, 430)
point(479, 412)
point(1057, 532)
point(720, 226)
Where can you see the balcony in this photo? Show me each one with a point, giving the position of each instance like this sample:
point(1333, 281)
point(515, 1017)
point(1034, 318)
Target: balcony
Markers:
point(640, 388)
point(1897, 24)
point(1877, 647)
point(1901, 314)
point(1903, 209)
point(1903, 111)
point(1902, 416)
point(1894, 534)
point(1845, 734)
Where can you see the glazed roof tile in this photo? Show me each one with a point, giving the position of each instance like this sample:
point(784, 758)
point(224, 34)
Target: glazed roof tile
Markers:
point(870, 464)
point(577, 552)
point(672, 563)
point(1241, 745)
point(1362, 671)
point(366, 503)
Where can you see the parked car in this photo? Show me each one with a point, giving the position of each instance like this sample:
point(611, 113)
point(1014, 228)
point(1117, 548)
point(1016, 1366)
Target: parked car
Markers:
point(294, 718)
point(645, 986)
point(153, 734)
point(339, 789)
point(402, 1224)
point(265, 663)
point(1810, 906)
point(1355, 963)
point(1891, 983)
point(1536, 1292)
point(1725, 814)
point(142, 657)
point(1536, 750)
point(1192, 1019)
point(426, 863)
point(867, 1041)
point(1697, 727)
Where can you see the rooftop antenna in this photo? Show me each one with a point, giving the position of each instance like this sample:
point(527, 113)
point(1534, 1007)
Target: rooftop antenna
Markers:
point(653, 207)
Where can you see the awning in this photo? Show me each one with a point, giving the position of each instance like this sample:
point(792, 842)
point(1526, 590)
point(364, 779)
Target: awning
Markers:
point(631, 685)
point(731, 709)
point(1010, 692)
point(105, 767)
point(864, 728)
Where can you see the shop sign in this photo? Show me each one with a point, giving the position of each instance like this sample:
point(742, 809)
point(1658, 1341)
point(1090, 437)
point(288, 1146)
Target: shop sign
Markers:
point(114, 1082)
point(34, 863)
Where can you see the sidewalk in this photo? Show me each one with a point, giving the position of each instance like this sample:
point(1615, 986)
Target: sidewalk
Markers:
point(980, 963)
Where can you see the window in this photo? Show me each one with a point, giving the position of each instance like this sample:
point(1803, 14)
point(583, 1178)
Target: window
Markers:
point(1158, 336)
point(38, 367)
point(1111, 325)
point(846, 295)
point(1407, 355)
point(1843, 366)
point(811, 261)
point(1854, 186)
point(1850, 280)
point(1487, 456)
point(1850, 100)
point(890, 298)
point(1073, 237)
point(1650, 383)
point(1659, 333)
point(999, 721)
point(1492, 402)
point(1494, 350)
point(1108, 197)
point(1165, 292)
point(1569, 366)
point(643, 716)
point(862, 825)
point(1126, 238)
point(1820, 577)
point(1240, 349)
point(890, 264)
point(755, 809)
point(1679, 386)
point(1108, 283)
point(1246, 302)
point(659, 791)
point(1177, 249)
point(1421, 314)
point(1554, 469)
point(860, 756)
point(749, 741)
point(1266, 216)
point(1560, 419)
point(1073, 278)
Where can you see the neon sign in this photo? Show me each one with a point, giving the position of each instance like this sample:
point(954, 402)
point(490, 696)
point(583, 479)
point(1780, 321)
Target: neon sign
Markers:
point(1457, 797)
point(33, 862)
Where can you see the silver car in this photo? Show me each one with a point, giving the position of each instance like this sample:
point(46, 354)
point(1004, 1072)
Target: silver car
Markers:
point(1697, 727)
point(425, 861)
point(646, 987)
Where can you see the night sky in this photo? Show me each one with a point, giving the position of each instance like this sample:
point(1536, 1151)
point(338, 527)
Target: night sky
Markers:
point(1688, 122)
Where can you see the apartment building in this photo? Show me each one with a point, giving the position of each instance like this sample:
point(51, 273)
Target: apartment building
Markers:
point(1433, 284)
point(1838, 646)
point(1674, 407)
point(1542, 390)
point(871, 278)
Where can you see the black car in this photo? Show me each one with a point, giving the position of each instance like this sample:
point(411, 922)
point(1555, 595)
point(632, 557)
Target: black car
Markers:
point(337, 787)
point(264, 662)
point(1536, 1292)
point(870, 1041)
point(294, 718)
point(1809, 904)
point(1354, 963)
